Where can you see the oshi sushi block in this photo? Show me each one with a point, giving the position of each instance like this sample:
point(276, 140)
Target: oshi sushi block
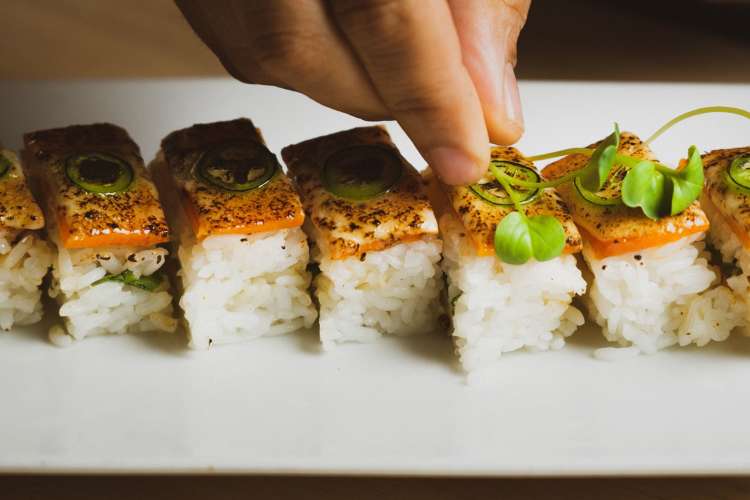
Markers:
point(374, 233)
point(642, 231)
point(500, 303)
point(242, 251)
point(105, 219)
point(726, 200)
point(24, 255)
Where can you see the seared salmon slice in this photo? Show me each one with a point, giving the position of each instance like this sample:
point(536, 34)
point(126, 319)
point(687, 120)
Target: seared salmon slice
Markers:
point(390, 213)
point(617, 229)
point(18, 209)
point(97, 187)
point(480, 217)
point(732, 204)
point(226, 180)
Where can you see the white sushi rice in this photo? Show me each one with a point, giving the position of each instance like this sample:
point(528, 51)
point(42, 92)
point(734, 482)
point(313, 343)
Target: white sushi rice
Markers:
point(394, 291)
point(498, 307)
point(722, 238)
point(237, 288)
point(23, 265)
point(111, 306)
point(659, 297)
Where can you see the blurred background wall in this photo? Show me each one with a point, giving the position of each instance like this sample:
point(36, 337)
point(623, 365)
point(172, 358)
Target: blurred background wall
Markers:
point(690, 40)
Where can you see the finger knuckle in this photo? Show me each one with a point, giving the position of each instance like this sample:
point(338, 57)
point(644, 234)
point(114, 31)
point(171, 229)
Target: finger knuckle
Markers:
point(374, 16)
point(235, 72)
point(283, 50)
point(519, 10)
point(417, 103)
point(512, 52)
point(518, 7)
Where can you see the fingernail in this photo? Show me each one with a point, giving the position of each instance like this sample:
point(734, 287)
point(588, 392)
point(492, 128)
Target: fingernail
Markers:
point(453, 166)
point(512, 96)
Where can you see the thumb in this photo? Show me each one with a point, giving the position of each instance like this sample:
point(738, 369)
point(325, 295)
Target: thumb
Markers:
point(488, 31)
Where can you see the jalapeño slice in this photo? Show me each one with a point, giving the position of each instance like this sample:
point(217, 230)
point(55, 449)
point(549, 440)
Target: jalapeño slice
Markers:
point(739, 173)
point(610, 194)
point(361, 172)
point(237, 167)
point(99, 173)
point(491, 191)
point(4, 165)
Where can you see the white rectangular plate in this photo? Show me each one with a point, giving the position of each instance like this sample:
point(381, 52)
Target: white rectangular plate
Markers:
point(400, 406)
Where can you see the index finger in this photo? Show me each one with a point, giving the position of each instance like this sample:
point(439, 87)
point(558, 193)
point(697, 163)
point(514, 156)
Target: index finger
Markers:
point(411, 51)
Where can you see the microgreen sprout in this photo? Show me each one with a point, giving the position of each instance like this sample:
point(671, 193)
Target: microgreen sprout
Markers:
point(696, 112)
point(519, 237)
point(608, 178)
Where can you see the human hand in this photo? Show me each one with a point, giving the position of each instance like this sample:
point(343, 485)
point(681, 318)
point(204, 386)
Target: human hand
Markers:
point(442, 68)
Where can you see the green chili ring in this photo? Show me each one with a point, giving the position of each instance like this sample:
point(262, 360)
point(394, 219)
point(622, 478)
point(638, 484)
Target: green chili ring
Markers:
point(248, 156)
point(610, 194)
point(362, 172)
point(738, 173)
point(595, 198)
point(492, 192)
point(4, 165)
point(99, 173)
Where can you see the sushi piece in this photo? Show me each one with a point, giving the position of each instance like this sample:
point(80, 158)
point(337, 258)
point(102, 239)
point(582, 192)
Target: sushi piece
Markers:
point(726, 200)
point(242, 251)
point(105, 220)
point(650, 279)
point(374, 236)
point(498, 307)
point(24, 255)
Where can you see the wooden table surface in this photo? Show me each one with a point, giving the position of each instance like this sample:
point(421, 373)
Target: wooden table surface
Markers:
point(582, 39)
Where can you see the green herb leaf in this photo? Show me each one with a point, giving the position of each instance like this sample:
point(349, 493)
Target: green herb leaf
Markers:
point(644, 186)
point(513, 239)
point(596, 171)
point(519, 238)
point(547, 236)
point(148, 283)
point(687, 183)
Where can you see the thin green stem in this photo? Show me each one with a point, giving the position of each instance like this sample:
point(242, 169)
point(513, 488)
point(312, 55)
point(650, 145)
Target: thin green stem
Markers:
point(628, 161)
point(515, 182)
point(508, 181)
point(537, 185)
point(562, 152)
point(562, 180)
point(669, 171)
point(508, 188)
point(695, 112)
point(631, 161)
